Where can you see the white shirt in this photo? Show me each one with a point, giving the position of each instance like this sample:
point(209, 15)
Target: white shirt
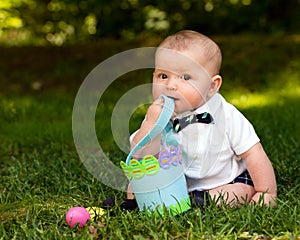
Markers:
point(210, 151)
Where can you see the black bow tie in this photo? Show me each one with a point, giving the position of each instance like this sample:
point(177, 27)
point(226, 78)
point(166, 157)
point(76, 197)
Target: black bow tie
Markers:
point(179, 124)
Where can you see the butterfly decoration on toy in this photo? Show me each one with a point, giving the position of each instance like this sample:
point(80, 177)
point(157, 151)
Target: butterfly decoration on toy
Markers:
point(150, 165)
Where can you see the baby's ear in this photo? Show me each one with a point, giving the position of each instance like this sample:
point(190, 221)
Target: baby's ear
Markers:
point(215, 84)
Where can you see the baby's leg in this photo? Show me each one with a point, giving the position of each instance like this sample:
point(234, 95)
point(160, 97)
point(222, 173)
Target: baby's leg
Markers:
point(130, 194)
point(232, 194)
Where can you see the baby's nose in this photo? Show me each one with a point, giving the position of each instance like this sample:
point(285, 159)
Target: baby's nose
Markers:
point(172, 83)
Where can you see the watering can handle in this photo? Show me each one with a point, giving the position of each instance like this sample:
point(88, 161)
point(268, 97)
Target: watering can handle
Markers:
point(158, 127)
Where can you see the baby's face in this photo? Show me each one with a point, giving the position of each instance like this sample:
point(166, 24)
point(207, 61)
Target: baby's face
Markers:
point(180, 76)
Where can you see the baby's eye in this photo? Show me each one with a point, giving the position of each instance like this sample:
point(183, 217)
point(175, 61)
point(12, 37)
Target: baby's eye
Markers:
point(186, 77)
point(163, 76)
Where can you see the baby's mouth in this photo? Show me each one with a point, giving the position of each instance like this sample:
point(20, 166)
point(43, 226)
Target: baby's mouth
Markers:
point(173, 98)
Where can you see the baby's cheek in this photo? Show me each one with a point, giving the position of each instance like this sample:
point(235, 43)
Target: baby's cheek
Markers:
point(195, 102)
point(192, 98)
point(156, 91)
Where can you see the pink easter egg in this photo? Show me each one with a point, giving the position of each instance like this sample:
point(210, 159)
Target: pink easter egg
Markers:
point(77, 215)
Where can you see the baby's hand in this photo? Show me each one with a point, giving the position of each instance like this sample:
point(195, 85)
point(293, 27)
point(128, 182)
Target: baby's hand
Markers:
point(264, 199)
point(154, 111)
point(151, 118)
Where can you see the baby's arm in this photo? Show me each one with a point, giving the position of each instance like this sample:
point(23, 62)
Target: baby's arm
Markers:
point(262, 174)
point(152, 147)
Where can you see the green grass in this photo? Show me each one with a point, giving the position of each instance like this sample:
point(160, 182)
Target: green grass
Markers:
point(41, 175)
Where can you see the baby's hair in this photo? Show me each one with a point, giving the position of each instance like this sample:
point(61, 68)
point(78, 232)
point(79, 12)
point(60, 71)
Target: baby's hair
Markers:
point(186, 39)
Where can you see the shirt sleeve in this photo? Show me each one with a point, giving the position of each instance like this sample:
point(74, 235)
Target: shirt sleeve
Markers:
point(242, 135)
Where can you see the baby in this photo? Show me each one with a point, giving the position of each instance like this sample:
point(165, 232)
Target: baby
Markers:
point(223, 157)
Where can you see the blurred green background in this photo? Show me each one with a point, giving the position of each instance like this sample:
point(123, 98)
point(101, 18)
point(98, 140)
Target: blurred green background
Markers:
point(48, 47)
point(59, 22)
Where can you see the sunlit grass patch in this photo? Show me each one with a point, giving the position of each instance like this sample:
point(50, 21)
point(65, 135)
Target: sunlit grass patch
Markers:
point(248, 100)
point(245, 100)
point(271, 80)
point(287, 88)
